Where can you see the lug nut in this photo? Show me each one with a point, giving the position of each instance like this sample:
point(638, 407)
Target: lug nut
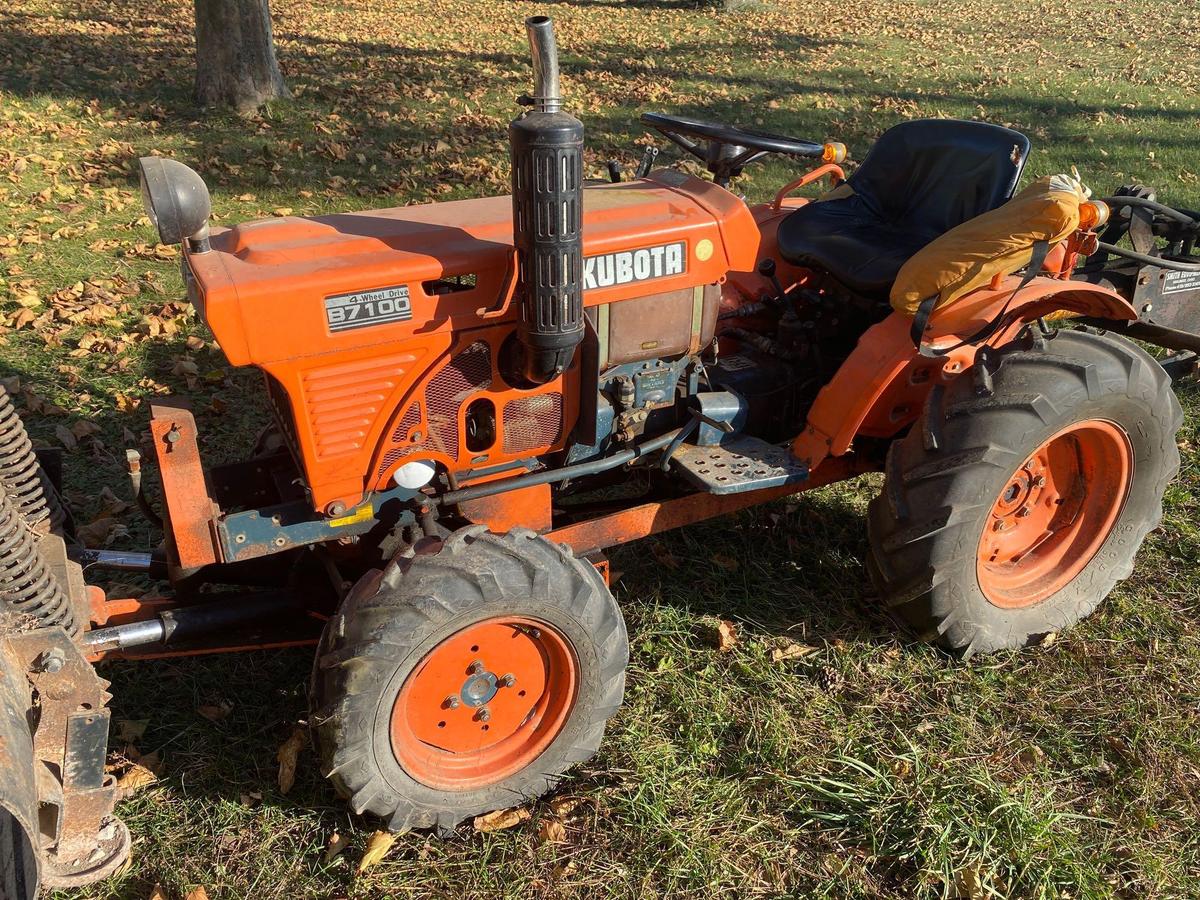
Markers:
point(451, 702)
point(508, 680)
point(476, 667)
point(1023, 511)
point(998, 526)
point(484, 714)
point(1040, 481)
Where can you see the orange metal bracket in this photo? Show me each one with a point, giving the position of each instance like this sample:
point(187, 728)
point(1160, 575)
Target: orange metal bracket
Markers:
point(190, 509)
point(506, 292)
point(808, 178)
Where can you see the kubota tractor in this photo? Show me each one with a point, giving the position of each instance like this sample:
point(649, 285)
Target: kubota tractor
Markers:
point(459, 387)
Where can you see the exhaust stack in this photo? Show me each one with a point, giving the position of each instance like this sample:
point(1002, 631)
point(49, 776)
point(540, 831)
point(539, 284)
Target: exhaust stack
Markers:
point(547, 195)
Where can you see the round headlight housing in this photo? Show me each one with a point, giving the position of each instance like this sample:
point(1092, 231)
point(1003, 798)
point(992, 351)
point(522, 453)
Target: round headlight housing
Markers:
point(175, 198)
point(415, 474)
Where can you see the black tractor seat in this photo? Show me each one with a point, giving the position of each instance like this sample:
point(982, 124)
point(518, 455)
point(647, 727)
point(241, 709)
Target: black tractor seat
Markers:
point(920, 179)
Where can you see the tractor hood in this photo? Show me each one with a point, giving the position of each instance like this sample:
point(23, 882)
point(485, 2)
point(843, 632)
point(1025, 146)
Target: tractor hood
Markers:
point(286, 288)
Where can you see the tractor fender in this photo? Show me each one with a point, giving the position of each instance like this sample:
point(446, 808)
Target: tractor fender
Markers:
point(881, 387)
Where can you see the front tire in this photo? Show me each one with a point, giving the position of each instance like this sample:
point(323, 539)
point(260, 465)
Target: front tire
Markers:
point(1021, 497)
point(470, 683)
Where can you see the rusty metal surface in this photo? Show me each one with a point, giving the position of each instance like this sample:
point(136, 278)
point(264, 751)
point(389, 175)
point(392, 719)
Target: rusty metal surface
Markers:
point(81, 840)
point(652, 518)
point(190, 509)
point(19, 859)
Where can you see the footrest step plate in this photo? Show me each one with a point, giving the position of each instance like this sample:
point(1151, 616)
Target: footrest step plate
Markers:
point(739, 464)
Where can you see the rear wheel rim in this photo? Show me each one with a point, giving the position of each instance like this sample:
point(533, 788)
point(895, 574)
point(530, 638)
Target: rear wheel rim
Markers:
point(484, 703)
point(1054, 513)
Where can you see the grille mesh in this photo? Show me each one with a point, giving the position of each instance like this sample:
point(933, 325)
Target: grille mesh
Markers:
point(467, 373)
point(531, 422)
point(411, 419)
point(281, 406)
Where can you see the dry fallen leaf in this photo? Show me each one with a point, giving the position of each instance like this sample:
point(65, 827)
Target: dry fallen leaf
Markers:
point(791, 650)
point(197, 893)
point(552, 831)
point(134, 779)
point(66, 437)
point(131, 729)
point(158, 893)
point(501, 819)
point(215, 712)
point(377, 848)
point(98, 533)
point(664, 556)
point(564, 806)
point(337, 843)
point(289, 752)
point(727, 636)
point(968, 884)
point(728, 563)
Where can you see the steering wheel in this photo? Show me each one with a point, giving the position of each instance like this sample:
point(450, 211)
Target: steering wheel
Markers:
point(726, 150)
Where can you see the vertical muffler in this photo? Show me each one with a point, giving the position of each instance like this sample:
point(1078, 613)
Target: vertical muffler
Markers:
point(547, 195)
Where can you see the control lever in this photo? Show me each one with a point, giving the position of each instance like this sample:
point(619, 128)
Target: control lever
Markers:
point(766, 268)
point(647, 163)
point(614, 171)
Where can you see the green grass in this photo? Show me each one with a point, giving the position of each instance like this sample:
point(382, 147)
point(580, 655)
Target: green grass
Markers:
point(868, 768)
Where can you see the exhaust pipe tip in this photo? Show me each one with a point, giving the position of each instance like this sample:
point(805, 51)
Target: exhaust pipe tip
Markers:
point(547, 92)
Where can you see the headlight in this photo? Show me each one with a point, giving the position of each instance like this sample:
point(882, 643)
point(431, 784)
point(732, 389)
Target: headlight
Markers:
point(415, 475)
point(175, 198)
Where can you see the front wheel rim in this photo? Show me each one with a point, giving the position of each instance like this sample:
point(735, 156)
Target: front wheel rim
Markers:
point(1054, 513)
point(484, 703)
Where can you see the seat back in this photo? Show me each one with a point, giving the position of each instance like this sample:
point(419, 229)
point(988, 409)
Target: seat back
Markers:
point(933, 174)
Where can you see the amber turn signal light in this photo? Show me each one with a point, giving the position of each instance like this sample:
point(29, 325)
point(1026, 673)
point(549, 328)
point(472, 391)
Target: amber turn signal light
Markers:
point(1093, 214)
point(835, 152)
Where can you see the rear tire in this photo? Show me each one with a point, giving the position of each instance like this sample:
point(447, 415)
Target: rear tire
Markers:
point(1093, 409)
point(397, 712)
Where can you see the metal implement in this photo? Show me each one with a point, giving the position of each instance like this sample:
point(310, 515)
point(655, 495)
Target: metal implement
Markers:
point(78, 837)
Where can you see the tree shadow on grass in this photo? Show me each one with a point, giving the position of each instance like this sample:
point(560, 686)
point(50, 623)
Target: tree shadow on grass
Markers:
point(385, 102)
point(792, 568)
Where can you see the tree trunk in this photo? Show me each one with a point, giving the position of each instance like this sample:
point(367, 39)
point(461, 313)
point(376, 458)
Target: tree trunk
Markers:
point(235, 55)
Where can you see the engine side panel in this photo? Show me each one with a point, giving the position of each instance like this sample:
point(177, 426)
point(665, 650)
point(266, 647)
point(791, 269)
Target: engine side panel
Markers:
point(361, 320)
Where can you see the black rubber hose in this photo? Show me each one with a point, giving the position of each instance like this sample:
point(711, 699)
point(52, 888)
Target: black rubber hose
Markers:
point(1169, 211)
point(1146, 258)
point(27, 586)
point(21, 474)
point(566, 473)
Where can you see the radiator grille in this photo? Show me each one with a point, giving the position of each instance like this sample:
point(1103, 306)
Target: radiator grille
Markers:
point(281, 406)
point(411, 419)
point(532, 422)
point(470, 371)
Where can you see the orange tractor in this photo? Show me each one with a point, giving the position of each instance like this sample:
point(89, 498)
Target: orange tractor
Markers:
point(474, 399)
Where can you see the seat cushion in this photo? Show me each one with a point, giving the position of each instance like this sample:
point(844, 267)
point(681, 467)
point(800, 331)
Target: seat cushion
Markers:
point(845, 239)
point(921, 179)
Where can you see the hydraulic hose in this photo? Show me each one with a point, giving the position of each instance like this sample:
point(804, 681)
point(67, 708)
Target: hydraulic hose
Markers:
point(1169, 211)
point(553, 476)
point(1146, 258)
